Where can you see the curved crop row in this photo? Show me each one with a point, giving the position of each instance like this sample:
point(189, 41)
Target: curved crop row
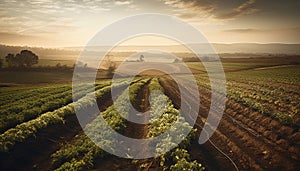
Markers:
point(286, 112)
point(251, 128)
point(82, 152)
point(31, 108)
point(21, 132)
point(8, 98)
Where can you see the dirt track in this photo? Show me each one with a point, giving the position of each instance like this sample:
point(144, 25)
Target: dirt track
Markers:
point(133, 130)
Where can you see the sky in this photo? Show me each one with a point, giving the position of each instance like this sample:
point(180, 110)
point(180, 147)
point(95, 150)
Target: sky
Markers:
point(58, 23)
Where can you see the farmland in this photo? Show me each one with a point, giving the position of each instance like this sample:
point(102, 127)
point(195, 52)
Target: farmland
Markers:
point(259, 129)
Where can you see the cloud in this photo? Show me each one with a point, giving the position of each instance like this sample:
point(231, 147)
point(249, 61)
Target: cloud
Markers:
point(246, 8)
point(122, 2)
point(246, 30)
point(204, 9)
point(251, 30)
point(191, 8)
point(12, 38)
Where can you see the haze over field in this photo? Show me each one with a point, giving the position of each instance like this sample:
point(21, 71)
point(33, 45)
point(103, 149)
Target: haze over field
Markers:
point(55, 23)
point(225, 50)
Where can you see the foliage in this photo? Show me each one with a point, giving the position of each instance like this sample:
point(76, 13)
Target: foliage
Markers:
point(26, 129)
point(83, 151)
point(1, 63)
point(273, 92)
point(111, 66)
point(24, 58)
point(33, 104)
point(175, 124)
point(183, 161)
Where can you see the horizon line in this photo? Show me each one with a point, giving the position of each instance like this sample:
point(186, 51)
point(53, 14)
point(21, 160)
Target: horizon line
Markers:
point(134, 45)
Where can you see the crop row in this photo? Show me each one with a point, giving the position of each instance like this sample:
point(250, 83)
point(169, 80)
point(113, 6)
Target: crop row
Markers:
point(269, 131)
point(248, 109)
point(269, 106)
point(82, 152)
point(274, 98)
point(170, 120)
point(269, 92)
point(248, 136)
point(285, 109)
point(8, 97)
point(287, 75)
point(24, 130)
point(33, 107)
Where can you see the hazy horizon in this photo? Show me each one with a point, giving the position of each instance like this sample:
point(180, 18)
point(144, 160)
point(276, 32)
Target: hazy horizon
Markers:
point(54, 23)
point(220, 48)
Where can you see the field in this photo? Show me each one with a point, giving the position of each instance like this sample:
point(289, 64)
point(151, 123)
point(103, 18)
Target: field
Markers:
point(259, 129)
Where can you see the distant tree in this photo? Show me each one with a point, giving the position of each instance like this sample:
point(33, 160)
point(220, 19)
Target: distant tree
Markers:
point(10, 59)
point(27, 58)
point(22, 59)
point(58, 65)
point(176, 60)
point(1, 63)
point(85, 65)
point(142, 58)
point(111, 69)
point(111, 65)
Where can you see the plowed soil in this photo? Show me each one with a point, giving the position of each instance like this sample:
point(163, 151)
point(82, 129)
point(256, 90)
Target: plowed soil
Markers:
point(245, 138)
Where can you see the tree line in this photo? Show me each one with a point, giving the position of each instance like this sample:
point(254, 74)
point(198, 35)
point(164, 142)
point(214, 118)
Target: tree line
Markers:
point(25, 58)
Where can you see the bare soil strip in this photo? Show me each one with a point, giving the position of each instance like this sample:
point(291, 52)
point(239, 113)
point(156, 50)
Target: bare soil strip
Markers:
point(252, 140)
point(133, 130)
point(206, 154)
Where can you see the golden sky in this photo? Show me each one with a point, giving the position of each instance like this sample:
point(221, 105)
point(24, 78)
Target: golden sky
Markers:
point(58, 23)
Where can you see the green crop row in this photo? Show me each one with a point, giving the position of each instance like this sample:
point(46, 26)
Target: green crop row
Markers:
point(171, 121)
point(285, 109)
point(26, 129)
point(31, 108)
point(9, 98)
point(82, 152)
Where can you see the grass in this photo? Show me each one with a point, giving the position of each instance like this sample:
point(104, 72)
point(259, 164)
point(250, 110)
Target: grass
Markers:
point(50, 62)
point(230, 66)
point(33, 77)
point(289, 75)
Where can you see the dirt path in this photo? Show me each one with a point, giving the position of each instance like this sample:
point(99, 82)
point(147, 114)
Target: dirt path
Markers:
point(245, 137)
point(133, 130)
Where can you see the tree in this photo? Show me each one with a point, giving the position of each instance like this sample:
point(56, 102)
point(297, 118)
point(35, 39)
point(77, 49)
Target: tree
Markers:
point(176, 60)
point(85, 65)
point(10, 59)
point(22, 59)
point(27, 58)
point(111, 65)
point(142, 58)
point(58, 65)
point(1, 63)
point(111, 69)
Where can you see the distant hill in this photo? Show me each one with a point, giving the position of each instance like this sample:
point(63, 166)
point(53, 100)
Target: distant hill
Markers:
point(226, 50)
point(258, 48)
point(275, 48)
